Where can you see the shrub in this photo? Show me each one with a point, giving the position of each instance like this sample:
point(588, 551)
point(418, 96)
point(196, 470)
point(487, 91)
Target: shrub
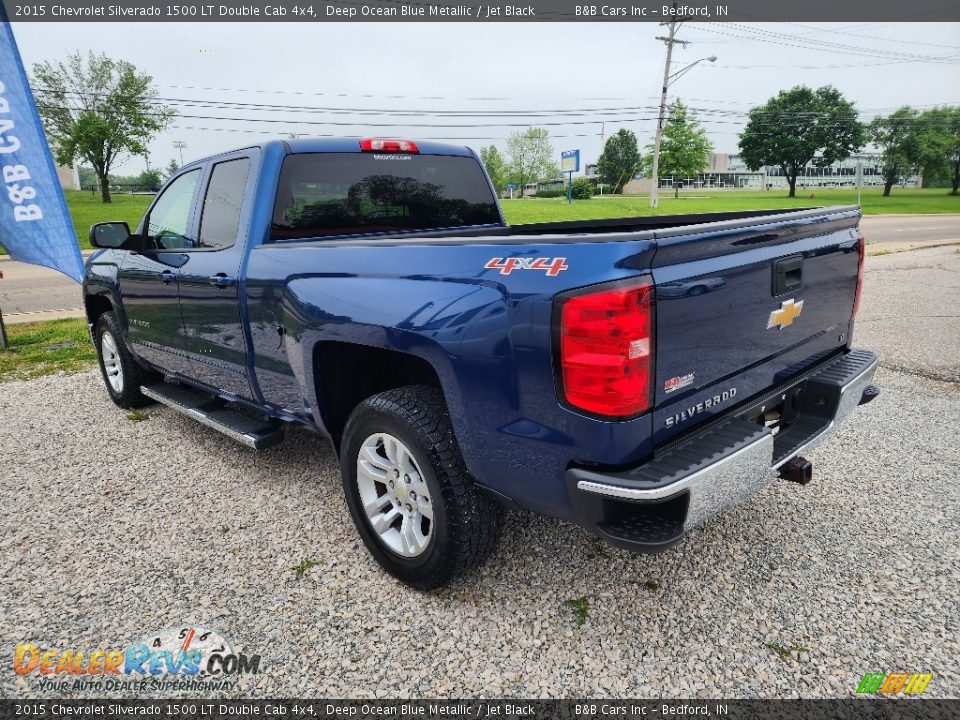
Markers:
point(550, 193)
point(582, 189)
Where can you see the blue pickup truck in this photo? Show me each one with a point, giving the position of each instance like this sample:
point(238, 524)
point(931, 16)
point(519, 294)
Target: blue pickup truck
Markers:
point(636, 376)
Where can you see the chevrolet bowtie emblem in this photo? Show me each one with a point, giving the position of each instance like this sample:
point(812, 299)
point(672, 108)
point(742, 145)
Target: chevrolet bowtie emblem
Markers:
point(786, 314)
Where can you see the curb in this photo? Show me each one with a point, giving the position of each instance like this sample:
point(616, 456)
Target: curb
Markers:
point(42, 315)
point(880, 251)
point(912, 215)
point(7, 258)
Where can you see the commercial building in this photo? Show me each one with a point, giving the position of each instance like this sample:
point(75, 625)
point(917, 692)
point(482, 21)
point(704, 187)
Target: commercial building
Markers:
point(69, 177)
point(729, 172)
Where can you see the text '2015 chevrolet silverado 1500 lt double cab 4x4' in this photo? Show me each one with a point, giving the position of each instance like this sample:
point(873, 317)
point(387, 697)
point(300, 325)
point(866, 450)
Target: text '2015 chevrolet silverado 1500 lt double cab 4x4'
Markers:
point(636, 376)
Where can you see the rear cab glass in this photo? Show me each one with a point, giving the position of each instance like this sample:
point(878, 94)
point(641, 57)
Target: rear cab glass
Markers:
point(334, 194)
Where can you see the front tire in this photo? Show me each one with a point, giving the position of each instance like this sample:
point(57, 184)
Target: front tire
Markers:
point(122, 374)
point(415, 506)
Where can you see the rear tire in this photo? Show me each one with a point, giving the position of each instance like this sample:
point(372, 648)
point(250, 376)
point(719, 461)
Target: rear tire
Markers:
point(395, 444)
point(122, 374)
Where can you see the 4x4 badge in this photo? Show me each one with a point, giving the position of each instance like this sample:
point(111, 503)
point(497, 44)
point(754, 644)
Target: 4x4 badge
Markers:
point(785, 314)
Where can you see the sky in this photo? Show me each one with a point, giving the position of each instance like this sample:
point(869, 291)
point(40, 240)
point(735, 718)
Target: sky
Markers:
point(474, 84)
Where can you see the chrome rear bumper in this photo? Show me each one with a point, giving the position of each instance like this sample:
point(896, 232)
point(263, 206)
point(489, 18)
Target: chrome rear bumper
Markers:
point(650, 507)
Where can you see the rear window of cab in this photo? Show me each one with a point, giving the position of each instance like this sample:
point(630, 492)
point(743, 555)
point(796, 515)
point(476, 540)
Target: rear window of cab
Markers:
point(333, 194)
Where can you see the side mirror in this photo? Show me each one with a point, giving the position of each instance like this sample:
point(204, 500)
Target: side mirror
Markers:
point(109, 234)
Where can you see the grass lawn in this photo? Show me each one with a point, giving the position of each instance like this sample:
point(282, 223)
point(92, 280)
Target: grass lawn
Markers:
point(86, 209)
point(532, 210)
point(44, 348)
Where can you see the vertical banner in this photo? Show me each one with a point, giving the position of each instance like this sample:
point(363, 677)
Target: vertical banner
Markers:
point(35, 225)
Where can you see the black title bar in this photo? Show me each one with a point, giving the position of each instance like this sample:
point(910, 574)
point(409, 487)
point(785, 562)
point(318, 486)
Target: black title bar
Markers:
point(485, 11)
point(293, 709)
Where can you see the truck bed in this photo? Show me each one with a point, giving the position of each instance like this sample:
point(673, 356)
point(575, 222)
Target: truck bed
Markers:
point(601, 230)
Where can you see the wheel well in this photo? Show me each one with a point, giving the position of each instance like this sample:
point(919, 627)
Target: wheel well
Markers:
point(96, 306)
point(346, 374)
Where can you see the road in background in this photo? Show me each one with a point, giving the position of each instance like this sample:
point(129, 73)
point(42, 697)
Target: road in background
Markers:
point(904, 232)
point(30, 292)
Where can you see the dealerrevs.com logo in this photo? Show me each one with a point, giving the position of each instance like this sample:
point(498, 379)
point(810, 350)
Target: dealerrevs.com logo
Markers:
point(178, 658)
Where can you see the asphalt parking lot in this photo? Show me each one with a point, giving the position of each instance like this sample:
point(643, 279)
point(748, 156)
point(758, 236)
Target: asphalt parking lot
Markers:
point(115, 529)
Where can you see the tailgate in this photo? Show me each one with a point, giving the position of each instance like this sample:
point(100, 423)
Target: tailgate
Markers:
point(743, 306)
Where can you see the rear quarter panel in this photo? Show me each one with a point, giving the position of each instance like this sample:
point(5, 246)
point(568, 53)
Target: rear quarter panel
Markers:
point(488, 336)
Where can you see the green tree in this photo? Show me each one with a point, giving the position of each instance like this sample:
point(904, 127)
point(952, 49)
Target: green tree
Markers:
point(97, 109)
point(939, 140)
point(171, 169)
point(684, 146)
point(798, 127)
point(896, 137)
point(88, 177)
point(620, 160)
point(530, 157)
point(149, 180)
point(581, 189)
point(496, 166)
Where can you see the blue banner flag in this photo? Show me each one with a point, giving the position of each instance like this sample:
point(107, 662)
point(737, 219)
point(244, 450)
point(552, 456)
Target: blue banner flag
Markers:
point(35, 224)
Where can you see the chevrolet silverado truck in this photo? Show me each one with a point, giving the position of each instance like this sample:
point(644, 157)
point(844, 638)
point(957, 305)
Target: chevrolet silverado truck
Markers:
point(635, 376)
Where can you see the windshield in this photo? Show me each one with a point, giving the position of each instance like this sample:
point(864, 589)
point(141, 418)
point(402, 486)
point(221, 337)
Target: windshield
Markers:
point(324, 194)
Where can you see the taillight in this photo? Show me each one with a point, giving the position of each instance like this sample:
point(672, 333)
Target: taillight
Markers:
point(388, 145)
point(606, 350)
point(861, 249)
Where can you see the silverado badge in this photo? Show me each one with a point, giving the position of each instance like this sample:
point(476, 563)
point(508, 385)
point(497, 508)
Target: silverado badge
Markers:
point(785, 314)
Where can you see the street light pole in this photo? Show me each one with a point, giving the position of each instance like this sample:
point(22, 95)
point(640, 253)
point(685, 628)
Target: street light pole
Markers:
point(668, 79)
point(655, 173)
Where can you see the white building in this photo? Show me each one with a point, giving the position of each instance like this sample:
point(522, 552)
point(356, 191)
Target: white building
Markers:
point(729, 172)
point(69, 177)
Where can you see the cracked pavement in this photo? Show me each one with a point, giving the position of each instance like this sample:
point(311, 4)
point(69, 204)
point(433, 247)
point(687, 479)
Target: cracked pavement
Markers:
point(910, 312)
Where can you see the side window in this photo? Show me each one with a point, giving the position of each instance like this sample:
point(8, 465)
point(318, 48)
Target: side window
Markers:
point(167, 226)
point(221, 206)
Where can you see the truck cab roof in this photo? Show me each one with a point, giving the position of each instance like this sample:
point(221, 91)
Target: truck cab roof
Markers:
point(352, 144)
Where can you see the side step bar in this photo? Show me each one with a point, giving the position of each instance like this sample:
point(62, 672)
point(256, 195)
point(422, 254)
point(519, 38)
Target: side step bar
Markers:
point(245, 429)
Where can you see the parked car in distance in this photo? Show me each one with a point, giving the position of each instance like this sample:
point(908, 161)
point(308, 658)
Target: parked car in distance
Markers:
point(681, 288)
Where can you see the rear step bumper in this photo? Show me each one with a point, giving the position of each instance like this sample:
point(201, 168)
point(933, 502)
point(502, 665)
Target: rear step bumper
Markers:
point(650, 507)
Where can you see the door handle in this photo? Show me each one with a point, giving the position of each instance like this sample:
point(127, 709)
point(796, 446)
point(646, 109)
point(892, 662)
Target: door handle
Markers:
point(787, 275)
point(167, 277)
point(222, 280)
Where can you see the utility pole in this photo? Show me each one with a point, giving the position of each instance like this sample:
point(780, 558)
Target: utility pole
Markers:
point(4, 345)
point(180, 145)
point(670, 40)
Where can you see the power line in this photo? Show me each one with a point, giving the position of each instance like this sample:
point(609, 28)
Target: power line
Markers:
point(816, 44)
point(315, 93)
point(873, 37)
point(340, 135)
point(402, 112)
point(821, 46)
point(230, 105)
point(727, 117)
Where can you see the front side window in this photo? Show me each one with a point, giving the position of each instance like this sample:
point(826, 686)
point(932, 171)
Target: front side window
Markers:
point(168, 224)
point(327, 194)
point(220, 220)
